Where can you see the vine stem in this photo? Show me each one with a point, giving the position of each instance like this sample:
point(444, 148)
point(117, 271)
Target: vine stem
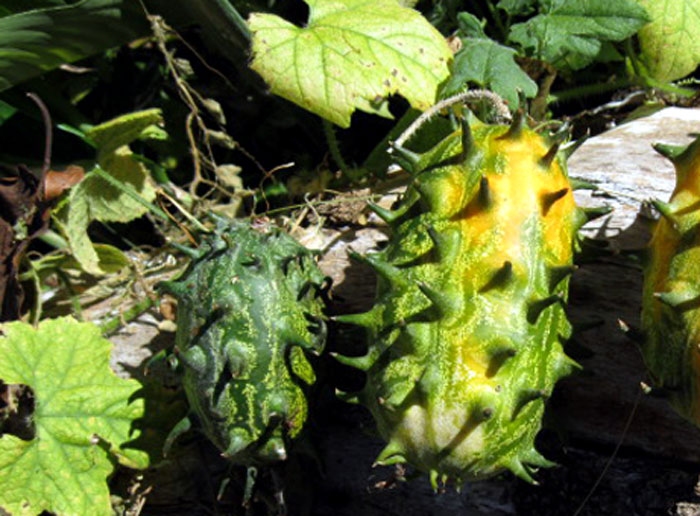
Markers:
point(589, 89)
point(236, 17)
point(38, 303)
point(48, 132)
point(334, 147)
point(74, 300)
point(499, 22)
point(502, 111)
point(126, 316)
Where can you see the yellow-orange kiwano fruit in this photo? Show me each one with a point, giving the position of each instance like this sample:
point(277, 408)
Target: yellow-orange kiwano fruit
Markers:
point(465, 337)
point(671, 302)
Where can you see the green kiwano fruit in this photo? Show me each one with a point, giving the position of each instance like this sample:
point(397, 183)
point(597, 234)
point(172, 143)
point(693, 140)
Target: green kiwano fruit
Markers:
point(465, 337)
point(248, 313)
point(671, 300)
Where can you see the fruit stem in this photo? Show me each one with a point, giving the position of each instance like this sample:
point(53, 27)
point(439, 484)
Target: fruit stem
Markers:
point(499, 105)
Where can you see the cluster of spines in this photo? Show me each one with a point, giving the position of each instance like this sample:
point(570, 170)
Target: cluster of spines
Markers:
point(414, 163)
point(445, 304)
point(253, 440)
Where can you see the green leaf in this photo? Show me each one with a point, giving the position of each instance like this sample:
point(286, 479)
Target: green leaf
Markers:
point(120, 131)
point(35, 41)
point(569, 33)
point(489, 65)
point(470, 26)
point(83, 418)
point(6, 111)
point(18, 6)
point(111, 260)
point(351, 55)
point(517, 7)
point(608, 53)
point(670, 45)
point(95, 199)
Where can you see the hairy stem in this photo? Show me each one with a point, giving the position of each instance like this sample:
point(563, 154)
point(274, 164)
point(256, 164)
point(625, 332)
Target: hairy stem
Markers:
point(468, 96)
point(334, 147)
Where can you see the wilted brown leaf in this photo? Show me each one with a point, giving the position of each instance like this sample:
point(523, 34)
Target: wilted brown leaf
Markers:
point(24, 213)
point(56, 182)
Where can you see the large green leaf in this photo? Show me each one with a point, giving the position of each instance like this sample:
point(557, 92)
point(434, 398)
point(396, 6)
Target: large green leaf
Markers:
point(569, 33)
point(83, 418)
point(487, 64)
point(95, 199)
point(670, 44)
point(351, 55)
point(35, 41)
point(18, 6)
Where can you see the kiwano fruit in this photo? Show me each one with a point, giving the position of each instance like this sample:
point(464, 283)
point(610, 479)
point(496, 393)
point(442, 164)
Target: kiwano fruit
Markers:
point(465, 337)
point(248, 312)
point(671, 299)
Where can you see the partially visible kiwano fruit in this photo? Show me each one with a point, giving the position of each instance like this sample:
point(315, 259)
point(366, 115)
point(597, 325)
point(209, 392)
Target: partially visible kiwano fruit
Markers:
point(671, 301)
point(248, 313)
point(465, 337)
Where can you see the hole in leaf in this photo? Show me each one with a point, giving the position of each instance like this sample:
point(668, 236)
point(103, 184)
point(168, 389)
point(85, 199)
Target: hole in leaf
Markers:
point(295, 11)
point(17, 411)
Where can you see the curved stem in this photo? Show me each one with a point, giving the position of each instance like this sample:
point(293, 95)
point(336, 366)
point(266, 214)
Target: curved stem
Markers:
point(467, 96)
point(48, 131)
point(334, 147)
point(127, 316)
point(590, 89)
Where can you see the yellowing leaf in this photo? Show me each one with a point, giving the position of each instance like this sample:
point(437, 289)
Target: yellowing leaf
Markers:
point(670, 44)
point(351, 55)
point(95, 199)
point(110, 135)
point(83, 415)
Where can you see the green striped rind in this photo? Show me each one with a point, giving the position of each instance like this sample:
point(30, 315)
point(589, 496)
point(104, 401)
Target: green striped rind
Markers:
point(465, 338)
point(248, 313)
